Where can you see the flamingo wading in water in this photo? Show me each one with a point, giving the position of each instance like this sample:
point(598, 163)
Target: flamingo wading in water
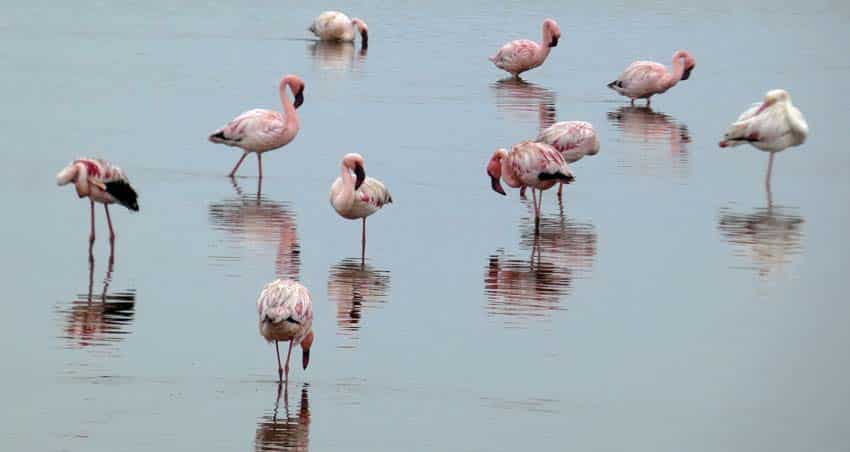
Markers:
point(336, 26)
point(357, 196)
point(261, 130)
point(644, 79)
point(521, 55)
point(773, 125)
point(286, 314)
point(101, 182)
point(529, 164)
point(573, 139)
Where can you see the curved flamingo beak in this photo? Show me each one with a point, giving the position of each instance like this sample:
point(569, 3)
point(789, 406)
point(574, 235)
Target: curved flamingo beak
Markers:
point(687, 74)
point(299, 98)
point(360, 174)
point(364, 38)
point(554, 42)
point(496, 184)
point(305, 358)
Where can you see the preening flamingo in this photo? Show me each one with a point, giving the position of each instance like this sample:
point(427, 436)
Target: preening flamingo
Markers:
point(521, 55)
point(573, 139)
point(529, 164)
point(336, 26)
point(101, 182)
point(262, 130)
point(286, 314)
point(773, 125)
point(644, 79)
point(357, 196)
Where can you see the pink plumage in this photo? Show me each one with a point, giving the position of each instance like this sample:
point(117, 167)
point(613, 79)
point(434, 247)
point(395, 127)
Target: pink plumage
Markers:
point(285, 311)
point(522, 55)
point(644, 79)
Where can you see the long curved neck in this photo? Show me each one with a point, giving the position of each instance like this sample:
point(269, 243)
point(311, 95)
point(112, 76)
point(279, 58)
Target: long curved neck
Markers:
point(288, 108)
point(544, 45)
point(508, 173)
point(345, 198)
point(678, 70)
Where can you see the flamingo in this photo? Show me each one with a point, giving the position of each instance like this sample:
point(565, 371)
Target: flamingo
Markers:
point(101, 182)
point(529, 164)
point(336, 26)
point(573, 139)
point(358, 196)
point(286, 314)
point(773, 125)
point(262, 130)
point(521, 55)
point(644, 79)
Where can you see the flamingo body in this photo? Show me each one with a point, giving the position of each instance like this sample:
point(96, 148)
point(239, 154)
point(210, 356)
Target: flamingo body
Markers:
point(772, 125)
point(285, 312)
point(644, 79)
point(100, 181)
point(522, 55)
point(336, 26)
point(357, 196)
point(573, 139)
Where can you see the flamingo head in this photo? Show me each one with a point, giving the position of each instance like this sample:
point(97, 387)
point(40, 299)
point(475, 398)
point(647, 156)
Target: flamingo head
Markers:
point(297, 86)
point(355, 163)
point(552, 31)
point(494, 170)
point(772, 97)
point(690, 62)
point(364, 31)
point(306, 343)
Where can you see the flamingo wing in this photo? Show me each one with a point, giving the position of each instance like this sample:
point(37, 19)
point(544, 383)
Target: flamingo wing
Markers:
point(254, 125)
point(516, 55)
point(374, 193)
point(285, 300)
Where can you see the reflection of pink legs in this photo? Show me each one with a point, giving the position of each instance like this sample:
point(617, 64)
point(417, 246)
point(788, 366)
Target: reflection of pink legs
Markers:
point(233, 173)
point(260, 164)
point(537, 205)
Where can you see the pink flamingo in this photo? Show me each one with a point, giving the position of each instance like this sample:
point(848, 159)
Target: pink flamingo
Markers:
point(262, 130)
point(643, 79)
point(529, 164)
point(573, 139)
point(336, 26)
point(358, 196)
point(772, 126)
point(521, 55)
point(101, 182)
point(286, 314)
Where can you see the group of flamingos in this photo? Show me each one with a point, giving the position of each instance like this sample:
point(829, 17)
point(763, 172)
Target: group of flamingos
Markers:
point(284, 307)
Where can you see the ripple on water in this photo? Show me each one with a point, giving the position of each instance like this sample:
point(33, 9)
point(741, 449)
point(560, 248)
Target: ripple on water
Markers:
point(651, 132)
point(355, 288)
point(769, 237)
point(285, 428)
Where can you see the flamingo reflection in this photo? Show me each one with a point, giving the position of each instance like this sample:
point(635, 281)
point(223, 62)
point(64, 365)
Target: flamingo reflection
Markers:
point(252, 222)
point(102, 319)
point(532, 284)
point(337, 56)
point(355, 287)
point(648, 128)
point(525, 102)
point(285, 431)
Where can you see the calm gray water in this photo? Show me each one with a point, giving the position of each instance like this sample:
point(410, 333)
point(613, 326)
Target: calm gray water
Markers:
point(665, 306)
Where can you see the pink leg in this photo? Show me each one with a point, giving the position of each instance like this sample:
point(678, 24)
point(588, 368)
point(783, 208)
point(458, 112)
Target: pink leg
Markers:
point(363, 244)
point(286, 366)
point(109, 221)
point(91, 235)
point(260, 163)
point(560, 190)
point(233, 173)
point(633, 102)
point(279, 366)
point(767, 180)
point(536, 210)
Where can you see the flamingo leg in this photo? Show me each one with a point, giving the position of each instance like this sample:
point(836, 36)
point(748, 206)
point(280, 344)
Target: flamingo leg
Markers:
point(109, 221)
point(539, 208)
point(286, 366)
point(363, 244)
point(260, 164)
point(633, 102)
point(536, 210)
point(91, 234)
point(767, 180)
point(560, 190)
point(233, 173)
point(279, 366)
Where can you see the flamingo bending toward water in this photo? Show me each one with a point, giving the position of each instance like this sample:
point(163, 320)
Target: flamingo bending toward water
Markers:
point(529, 164)
point(336, 26)
point(357, 196)
point(773, 125)
point(573, 139)
point(261, 130)
point(286, 314)
point(101, 182)
point(644, 79)
point(521, 55)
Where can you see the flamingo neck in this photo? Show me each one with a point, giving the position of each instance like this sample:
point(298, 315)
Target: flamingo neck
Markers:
point(288, 108)
point(544, 50)
point(345, 198)
point(678, 71)
point(508, 174)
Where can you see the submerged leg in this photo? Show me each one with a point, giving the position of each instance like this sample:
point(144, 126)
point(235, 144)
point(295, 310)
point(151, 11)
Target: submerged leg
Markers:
point(536, 210)
point(233, 173)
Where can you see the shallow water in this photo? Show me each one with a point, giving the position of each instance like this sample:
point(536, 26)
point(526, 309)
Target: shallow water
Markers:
point(670, 302)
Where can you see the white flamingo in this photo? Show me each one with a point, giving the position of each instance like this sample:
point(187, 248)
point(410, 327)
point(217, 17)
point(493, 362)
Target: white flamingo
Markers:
point(336, 26)
point(286, 314)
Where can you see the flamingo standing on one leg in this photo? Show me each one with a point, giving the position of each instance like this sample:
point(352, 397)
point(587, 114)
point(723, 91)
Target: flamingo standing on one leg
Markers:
point(533, 164)
point(286, 314)
point(262, 130)
point(357, 196)
point(336, 26)
point(644, 79)
point(101, 182)
point(521, 55)
point(773, 125)
point(573, 139)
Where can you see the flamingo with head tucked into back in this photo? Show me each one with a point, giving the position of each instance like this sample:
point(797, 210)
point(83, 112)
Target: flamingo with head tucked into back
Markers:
point(286, 314)
point(357, 196)
point(772, 125)
point(101, 182)
point(261, 130)
point(644, 79)
point(336, 26)
point(529, 164)
point(521, 55)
